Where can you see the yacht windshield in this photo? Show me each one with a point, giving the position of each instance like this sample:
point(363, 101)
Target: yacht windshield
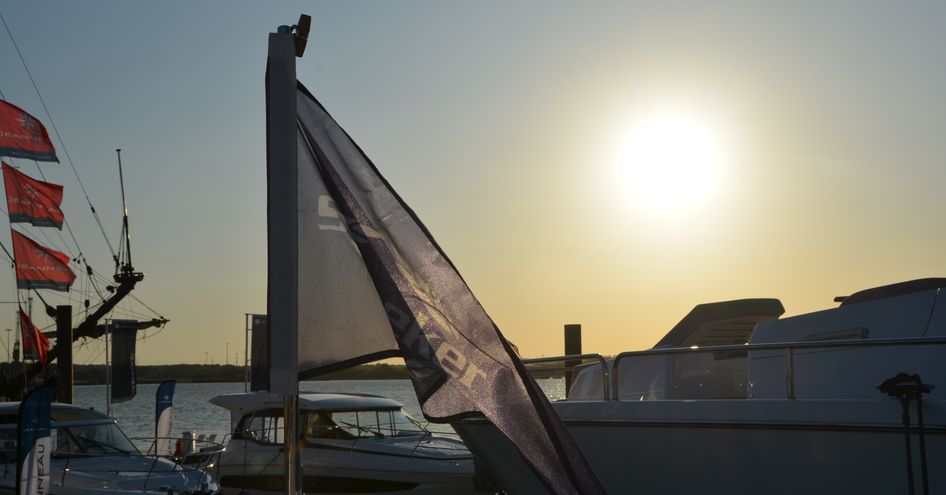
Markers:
point(91, 440)
point(348, 425)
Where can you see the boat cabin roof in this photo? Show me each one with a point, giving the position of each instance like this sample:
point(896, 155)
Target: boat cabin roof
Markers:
point(721, 323)
point(62, 414)
point(313, 401)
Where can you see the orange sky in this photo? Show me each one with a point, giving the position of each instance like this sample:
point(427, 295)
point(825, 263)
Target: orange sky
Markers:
point(501, 125)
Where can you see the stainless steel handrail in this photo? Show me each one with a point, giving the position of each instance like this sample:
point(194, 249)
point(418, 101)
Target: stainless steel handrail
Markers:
point(788, 347)
point(605, 378)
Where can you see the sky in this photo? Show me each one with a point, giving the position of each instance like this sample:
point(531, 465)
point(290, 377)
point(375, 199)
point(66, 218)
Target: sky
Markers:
point(808, 139)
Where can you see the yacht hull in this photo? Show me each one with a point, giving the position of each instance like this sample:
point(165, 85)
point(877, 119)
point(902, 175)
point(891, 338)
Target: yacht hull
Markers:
point(325, 480)
point(748, 447)
point(368, 466)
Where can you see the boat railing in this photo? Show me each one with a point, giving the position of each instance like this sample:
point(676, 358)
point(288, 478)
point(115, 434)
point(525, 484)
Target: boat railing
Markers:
point(154, 468)
point(196, 453)
point(611, 375)
point(788, 348)
point(570, 362)
point(438, 429)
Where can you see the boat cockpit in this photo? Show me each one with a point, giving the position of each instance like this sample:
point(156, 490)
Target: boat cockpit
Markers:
point(266, 425)
point(92, 455)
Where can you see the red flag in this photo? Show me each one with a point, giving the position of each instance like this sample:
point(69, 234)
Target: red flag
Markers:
point(32, 201)
point(23, 136)
point(34, 342)
point(38, 267)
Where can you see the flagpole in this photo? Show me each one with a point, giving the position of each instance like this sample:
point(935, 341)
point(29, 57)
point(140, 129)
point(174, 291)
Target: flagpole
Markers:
point(19, 333)
point(282, 230)
point(108, 374)
point(121, 181)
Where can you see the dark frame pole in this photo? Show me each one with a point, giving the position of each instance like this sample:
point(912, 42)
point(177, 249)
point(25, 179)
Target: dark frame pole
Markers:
point(246, 352)
point(282, 301)
point(282, 216)
point(572, 348)
point(64, 343)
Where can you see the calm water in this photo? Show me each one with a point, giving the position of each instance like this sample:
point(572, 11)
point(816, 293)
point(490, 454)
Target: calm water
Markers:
point(194, 412)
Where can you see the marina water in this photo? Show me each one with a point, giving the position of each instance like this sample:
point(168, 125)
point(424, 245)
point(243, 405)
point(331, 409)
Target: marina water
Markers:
point(194, 412)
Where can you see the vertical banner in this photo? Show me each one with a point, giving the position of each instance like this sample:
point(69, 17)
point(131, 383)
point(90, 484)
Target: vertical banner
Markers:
point(34, 444)
point(259, 360)
point(164, 419)
point(124, 382)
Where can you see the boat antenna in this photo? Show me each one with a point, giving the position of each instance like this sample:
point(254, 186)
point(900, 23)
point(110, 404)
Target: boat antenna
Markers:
point(126, 266)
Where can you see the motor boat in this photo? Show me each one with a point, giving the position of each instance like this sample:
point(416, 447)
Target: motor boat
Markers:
point(351, 443)
point(736, 400)
point(92, 456)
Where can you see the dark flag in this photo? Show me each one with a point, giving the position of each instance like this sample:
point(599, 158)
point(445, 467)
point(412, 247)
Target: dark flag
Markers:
point(32, 201)
point(34, 444)
point(39, 267)
point(164, 419)
point(124, 381)
point(370, 272)
point(259, 352)
point(35, 344)
point(23, 136)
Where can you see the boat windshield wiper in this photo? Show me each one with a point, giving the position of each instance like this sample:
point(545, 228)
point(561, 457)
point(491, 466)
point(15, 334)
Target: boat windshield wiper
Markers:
point(377, 434)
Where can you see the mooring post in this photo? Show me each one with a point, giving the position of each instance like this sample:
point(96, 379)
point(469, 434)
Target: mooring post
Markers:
point(572, 347)
point(64, 360)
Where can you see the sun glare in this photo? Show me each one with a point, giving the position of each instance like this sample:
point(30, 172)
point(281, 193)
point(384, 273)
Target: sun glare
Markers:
point(670, 161)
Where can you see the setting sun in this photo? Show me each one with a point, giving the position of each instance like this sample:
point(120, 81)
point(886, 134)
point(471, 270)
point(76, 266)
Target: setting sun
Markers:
point(669, 161)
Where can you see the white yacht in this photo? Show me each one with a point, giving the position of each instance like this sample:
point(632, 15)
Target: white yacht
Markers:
point(736, 400)
point(351, 443)
point(92, 456)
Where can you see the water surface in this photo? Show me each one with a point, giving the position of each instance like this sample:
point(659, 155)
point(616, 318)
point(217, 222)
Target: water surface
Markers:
point(194, 412)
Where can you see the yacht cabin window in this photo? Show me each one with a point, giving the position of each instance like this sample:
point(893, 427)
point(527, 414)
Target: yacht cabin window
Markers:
point(348, 425)
point(264, 426)
point(696, 375)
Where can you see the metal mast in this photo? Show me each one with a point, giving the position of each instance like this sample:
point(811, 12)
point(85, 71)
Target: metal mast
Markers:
point(126, 266)
point(282, 229)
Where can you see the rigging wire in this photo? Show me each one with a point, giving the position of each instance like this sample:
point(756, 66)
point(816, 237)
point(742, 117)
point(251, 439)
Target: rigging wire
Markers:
point(96, 346)
point(132, 295)
point(50, 242)
point(9, 256)
point(124, 310)
point(62, 143)
point(79, 258)
point(65, 221)
point(42, 232)
point(90, 275)
point(155, 313)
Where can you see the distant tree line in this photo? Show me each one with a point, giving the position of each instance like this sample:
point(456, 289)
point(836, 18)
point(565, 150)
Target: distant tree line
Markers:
point(94, 374)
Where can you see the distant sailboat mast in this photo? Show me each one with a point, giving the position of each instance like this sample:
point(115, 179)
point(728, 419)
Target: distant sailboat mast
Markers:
point(126, 234)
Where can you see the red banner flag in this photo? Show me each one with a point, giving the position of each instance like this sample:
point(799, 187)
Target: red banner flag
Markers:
point(38, 267)
point(23, 136)
point(32, 201)
point(35, 344)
